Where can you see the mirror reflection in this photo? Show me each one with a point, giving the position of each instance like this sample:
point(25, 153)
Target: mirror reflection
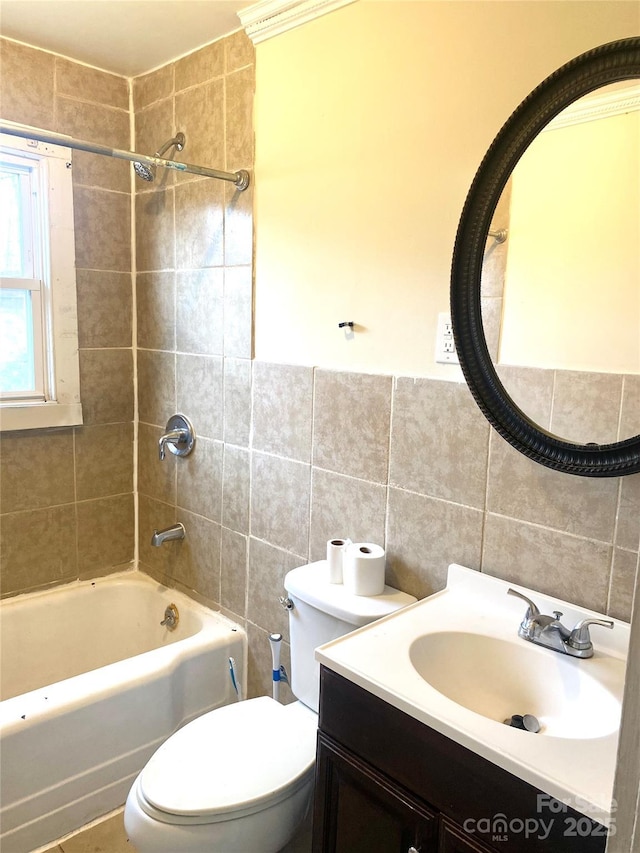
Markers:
point(561, 294)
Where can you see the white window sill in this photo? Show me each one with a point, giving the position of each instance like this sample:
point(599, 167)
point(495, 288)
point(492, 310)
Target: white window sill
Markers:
point(39, 416)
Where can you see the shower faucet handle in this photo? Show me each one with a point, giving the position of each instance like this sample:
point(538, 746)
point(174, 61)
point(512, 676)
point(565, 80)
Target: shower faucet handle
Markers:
point(179, 437)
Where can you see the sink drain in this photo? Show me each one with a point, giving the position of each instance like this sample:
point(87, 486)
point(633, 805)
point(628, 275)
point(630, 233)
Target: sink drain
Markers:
point(526, 722)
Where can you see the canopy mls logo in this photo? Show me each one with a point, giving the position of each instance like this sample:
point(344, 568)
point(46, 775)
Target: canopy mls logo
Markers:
point(551, 812)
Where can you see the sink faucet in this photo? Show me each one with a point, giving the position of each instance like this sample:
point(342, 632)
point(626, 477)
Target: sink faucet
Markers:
point(176, 531)
point(548, 631)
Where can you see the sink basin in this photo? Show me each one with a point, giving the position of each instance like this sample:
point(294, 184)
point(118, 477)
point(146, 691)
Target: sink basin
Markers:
point(497, 678)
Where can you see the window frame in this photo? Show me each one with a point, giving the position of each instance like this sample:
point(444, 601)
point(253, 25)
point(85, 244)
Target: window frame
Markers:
point(57, 401)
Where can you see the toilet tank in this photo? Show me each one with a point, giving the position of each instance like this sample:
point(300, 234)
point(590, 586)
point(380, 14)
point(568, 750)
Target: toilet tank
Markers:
point(324, 611)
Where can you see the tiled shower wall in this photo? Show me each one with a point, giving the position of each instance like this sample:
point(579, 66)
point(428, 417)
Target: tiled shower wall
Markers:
point(194, 250)
point(66, 495)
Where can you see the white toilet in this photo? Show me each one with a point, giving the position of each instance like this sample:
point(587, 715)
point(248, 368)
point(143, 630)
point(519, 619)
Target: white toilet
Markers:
point(240, 779)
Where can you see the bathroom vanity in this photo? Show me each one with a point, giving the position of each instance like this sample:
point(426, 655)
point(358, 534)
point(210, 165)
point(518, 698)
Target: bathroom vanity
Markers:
point(386, 782)
point(413, 750)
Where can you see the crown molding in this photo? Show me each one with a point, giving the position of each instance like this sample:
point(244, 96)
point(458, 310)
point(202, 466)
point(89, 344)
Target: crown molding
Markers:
point(612, 103)
point(269, 18)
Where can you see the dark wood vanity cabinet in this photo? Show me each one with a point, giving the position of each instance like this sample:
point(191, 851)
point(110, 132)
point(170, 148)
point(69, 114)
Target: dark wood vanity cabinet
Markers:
point(386, 783)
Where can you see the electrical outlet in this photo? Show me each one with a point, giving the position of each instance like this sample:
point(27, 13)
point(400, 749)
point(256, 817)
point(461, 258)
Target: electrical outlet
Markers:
point(445, 344)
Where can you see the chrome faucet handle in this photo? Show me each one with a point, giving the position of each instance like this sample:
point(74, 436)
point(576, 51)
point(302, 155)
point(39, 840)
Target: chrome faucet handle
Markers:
point(179, 436)
point(533, 612)
point(580, 637)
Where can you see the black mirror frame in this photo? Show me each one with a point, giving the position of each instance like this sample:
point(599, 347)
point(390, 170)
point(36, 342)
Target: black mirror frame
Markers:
point(609, 63)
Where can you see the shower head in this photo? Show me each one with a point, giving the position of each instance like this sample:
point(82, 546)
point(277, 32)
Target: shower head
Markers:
point(148, 171)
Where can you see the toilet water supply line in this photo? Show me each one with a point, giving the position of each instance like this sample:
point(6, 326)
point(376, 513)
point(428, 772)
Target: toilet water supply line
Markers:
point(237, 686)
point(278, 672)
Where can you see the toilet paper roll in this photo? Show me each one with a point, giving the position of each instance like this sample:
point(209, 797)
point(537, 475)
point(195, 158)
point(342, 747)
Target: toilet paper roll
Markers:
point(335, 557)
point(363, 568)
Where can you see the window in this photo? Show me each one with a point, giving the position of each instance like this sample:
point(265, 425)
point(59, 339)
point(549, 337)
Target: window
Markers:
point(39, 375)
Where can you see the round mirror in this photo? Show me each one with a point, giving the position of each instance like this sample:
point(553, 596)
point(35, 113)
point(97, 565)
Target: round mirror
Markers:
point(543, 273)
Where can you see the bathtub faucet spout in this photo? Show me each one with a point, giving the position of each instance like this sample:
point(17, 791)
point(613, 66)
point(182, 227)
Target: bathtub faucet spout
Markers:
point(176, 531)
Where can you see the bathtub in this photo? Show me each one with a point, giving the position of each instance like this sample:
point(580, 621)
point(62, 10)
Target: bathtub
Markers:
point(91, 684)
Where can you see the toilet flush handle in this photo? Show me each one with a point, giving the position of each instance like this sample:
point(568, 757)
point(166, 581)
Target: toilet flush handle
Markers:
point(286, 602)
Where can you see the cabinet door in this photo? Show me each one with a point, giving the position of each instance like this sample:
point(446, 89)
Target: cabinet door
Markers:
point(453, 839)
point(358, 810)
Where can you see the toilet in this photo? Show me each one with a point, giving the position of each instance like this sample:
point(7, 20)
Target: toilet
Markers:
point(239, 779)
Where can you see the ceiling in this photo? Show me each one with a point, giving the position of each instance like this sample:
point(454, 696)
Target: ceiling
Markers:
point(127, 37)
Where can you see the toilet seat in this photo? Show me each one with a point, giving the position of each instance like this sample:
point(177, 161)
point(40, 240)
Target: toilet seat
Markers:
point(229, 763)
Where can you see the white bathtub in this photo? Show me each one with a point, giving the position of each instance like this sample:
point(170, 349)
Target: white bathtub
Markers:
point(91, 684)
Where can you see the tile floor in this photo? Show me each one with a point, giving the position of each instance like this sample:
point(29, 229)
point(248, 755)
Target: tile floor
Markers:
point(105, 837)
point(109, 837)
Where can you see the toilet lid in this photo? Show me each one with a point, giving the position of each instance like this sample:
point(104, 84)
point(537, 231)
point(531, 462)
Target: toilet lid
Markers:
point(236, 758)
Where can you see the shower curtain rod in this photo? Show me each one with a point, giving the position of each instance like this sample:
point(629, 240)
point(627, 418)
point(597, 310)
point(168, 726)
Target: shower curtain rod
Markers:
point(240, 178)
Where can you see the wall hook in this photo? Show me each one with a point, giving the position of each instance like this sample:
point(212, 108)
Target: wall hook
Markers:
point(348, 323)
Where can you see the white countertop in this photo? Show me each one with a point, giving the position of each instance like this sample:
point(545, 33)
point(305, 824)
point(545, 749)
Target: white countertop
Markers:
point(574, 768)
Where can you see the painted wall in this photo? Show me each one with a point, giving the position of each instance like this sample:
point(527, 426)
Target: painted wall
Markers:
point(371, 122)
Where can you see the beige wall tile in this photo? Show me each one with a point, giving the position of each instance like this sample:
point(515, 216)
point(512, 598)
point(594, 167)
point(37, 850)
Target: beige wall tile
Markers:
point(91, 84)
point(36, 469)
point(236, 484)
point(200, 66)
point(238, 312)
point(156, 310)
point(199, 477)
point(569, 567)
point(239, 51)
point(106, 534)
point(199, 114)
point(100, 124)
point(106, 385)
point(233, 571)
point(522, 489)
point(156, 515)
point(237, 401)
point(155, 236)
point(154, 126)
point(623, 584)
point(104, 460)
point(282, 409)
point(104, 308)
point(343, 507)
point(439, 445)
point(103, 229)
point(239, 119)
point(630, 415)
point(424, 536)
point(200, 392)
point(586, 406)
point(280, 491)
point(351, 420)
point(628, 526)
point(200, 311)
point(94, 123)
point(199, 224)
point(151, 87)
point(267, 567)
point(238, 224)
point(105, 173)
point(38, 548)
point(26, 84)
point(156, 477)
point(198, 555)
point(156, 386)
